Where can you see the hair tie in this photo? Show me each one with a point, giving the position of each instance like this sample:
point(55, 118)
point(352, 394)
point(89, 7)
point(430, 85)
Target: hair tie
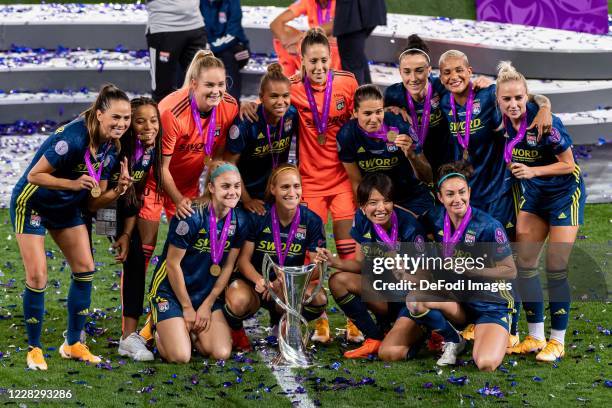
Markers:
point(225, 167)
point(417, 50)
point(450, 175)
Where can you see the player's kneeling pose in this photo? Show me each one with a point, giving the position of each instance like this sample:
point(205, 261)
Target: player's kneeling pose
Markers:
point(287, 231)
point(70, 165)
point(376, 221)
point(461, 228)
point(552, 207)
point(194, 269)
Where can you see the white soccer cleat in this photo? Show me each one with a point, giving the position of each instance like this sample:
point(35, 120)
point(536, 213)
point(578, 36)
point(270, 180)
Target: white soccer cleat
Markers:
point(135, 347)
point(450, 352)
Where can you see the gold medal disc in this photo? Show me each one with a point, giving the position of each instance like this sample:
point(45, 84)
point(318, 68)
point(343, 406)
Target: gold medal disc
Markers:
point(321, 138)
point(215, 270)
point(95, 192)
point(466, 155)
point(392, 135)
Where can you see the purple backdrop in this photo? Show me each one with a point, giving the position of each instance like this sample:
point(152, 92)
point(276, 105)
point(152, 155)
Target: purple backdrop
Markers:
point(590, 16)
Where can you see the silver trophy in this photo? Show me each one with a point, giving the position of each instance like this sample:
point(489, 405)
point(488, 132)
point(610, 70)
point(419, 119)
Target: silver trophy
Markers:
point(293, 331)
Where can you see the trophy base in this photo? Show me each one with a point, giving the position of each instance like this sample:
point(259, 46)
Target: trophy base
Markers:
point(301, 361)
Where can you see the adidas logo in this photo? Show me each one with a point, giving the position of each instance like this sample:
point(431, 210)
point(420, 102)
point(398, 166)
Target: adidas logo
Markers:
point(202, 231)
point(367, 235)
point(509, 225)
point(441, 233)
point(260, 136)
point(83, 312)
point(361, 150)
point(32, 320)
point(529, 313)
point(562, 216)
point(504, 319)
point(267, 230)
point(560, 312)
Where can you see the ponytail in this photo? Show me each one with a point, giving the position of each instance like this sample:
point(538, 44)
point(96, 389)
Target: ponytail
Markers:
point(202, 60)
point(108, 93)
point(507, 73)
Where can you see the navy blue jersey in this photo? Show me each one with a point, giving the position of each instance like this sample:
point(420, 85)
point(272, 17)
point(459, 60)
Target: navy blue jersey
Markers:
point(491, 178)
point(309, 236)
point(192, 234)
point(139, 169)
point(532, 153)
point(250, 140)
point(438, 148)
point(409, 229)
point(65, 151)
point(376, 156)
point(483, 229)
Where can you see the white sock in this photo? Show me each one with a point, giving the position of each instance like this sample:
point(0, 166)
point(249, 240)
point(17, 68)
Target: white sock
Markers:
point(536, 330)
point(558, 335)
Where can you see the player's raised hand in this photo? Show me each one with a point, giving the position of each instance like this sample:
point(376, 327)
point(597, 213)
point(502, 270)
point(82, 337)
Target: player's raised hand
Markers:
point(405, 143)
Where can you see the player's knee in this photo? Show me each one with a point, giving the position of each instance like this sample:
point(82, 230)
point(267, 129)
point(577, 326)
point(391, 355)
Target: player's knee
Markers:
point(239, 302)
point(337, 283)
point(392, 353)
point(179, 356)
point(487, 363)
point(222, 351)
point(320, 299)
point(36, 278)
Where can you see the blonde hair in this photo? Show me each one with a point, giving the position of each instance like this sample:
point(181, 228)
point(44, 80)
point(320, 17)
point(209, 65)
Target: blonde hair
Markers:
point(453, 54)
point(108, 93)
point(268, 196)
point(202, 60)
point(507, 73)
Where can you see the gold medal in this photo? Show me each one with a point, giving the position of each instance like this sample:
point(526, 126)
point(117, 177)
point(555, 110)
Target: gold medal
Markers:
point(392, 135)
point(466, 155)
point(215, 270)
point(321, 138)
point(207, 160)
point(95, 192)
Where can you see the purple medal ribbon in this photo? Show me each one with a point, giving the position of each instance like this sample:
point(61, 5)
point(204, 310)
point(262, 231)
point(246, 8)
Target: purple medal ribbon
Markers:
point(421, 131)
point(320, 121)
point(449, 240)
point(96, 174)
point(138, 151)
point(279, 134)
point(380, 133)
point(217, 245)
point(210, 134)
point(282, 255)
point(520, 135)
point(327, 14)
point(464, 140)
point(382, 234)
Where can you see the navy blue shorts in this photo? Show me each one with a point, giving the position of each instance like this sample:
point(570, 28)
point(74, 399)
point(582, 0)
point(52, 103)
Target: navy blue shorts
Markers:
point(568, 211)
point(165, 305)
point(489, 312)
point(27, 220)
point(504, 209)
point(419, 204)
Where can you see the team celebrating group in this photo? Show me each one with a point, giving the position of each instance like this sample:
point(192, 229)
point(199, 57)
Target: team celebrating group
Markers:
point(435, 158)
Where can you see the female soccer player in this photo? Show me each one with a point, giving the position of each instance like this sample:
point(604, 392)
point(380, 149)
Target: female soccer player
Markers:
point(460, 227)
point(287, 231)
point(68, 167)
point(195, 120)
point(552, 208)
point(261, 146)
point(141, 152)
point(379, 142)
point(320, 13)
point(324, 100)
point(194, 269)
point(377, 220)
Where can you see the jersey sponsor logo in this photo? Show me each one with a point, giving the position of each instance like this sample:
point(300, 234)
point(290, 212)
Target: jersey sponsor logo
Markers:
point(35, 220)
point(278, 146)
point(182, 228)
point(378, 163)
point(61, 147)
point(476, 107)
point(475, 124)
point(268, 246)
point(234, 132)
point(500, 236)
point(555, 135)
point(529, 154)
point(163, 305)
point(562, 216)
point(203, 245)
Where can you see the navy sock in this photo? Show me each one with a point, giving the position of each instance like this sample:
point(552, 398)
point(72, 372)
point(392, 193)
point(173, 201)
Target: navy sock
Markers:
point(233, 321)
point(79, 300)
point(357, 311)
point(436, 321)
point(33, 314)
point(531, 293)
point(559, 299)
point(516, 314)
point(311, 312)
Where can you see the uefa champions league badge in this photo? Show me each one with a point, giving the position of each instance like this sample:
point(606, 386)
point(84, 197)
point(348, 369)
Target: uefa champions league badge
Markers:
point(61, 148)
point(555, 135)
point(234, 132)
point(500, 236)
point(182, 228)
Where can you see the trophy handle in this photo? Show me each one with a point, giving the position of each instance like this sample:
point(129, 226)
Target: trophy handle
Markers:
point(322, 278)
